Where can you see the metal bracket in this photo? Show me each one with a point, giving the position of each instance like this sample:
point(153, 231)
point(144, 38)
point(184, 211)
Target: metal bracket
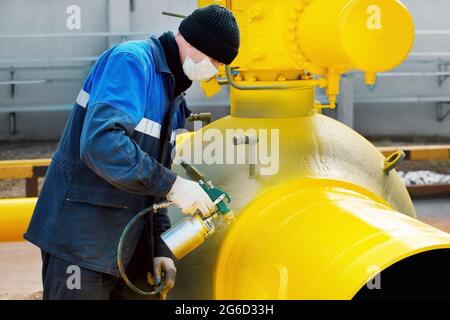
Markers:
point(11, 77)
point(12, 123)
point(442, 111)
point(392, 161)
point(173, 14)
point(443, 67)
point(251, 141)
point(204, 117)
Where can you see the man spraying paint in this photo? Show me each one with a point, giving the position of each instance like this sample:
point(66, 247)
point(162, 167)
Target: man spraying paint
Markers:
point(113, 160)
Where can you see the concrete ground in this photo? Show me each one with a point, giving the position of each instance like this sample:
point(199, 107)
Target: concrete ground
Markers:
point(20, 262)
point(435, 212)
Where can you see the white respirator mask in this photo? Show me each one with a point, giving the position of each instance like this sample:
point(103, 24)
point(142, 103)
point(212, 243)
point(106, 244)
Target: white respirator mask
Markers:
point(204, 70)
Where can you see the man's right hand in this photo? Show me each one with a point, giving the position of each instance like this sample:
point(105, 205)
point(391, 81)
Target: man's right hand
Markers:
point(190, 196)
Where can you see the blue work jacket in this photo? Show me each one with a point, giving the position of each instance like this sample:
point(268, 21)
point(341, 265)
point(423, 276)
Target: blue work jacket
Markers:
point(107, 165)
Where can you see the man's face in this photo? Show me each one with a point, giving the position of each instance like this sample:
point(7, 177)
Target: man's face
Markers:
point(198, 56)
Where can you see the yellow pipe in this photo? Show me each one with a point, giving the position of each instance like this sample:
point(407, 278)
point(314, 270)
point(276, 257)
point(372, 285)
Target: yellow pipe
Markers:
point(316, 239)
point(21, 163)
point(16, 172)
point(20, 169)
point(15, 214)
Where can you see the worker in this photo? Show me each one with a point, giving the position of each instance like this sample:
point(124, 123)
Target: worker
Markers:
point(114, 157)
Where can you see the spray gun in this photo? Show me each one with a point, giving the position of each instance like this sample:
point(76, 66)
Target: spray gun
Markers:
point(191, 232)
point(188, 233)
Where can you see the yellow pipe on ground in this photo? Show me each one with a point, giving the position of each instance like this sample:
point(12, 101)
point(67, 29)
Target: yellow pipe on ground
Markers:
point(15, 214)
point(316, 239)
point(26, 162)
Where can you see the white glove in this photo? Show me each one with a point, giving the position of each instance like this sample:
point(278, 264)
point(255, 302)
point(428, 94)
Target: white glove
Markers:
point(189, 196)
point(167, 266)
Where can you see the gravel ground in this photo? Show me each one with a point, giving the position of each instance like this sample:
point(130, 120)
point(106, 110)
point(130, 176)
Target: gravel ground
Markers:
point(424, 177)
point(440, 167)
point(26, 150)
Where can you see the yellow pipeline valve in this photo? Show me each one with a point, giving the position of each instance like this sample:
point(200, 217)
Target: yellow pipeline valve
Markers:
point(367, 35)
point(325, 37)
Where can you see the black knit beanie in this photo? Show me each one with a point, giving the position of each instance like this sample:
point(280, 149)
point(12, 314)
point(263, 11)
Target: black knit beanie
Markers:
point(214, 31)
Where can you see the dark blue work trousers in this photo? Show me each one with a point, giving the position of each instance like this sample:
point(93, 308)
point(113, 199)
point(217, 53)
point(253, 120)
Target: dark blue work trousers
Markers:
point(63, 280)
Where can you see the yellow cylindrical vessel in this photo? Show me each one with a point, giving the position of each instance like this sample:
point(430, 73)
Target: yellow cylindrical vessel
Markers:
point(373, 36)
point(316, 239)
point(15, 214)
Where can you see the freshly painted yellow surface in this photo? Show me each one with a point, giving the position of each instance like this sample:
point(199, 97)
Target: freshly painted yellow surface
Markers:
point(318, 226)
point(315, 239)
point(323, 165)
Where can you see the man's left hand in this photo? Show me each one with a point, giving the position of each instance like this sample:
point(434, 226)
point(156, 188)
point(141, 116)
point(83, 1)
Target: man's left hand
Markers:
point(164, 265)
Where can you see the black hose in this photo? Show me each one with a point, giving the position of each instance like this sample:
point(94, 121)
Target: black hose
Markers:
point(130, 285)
